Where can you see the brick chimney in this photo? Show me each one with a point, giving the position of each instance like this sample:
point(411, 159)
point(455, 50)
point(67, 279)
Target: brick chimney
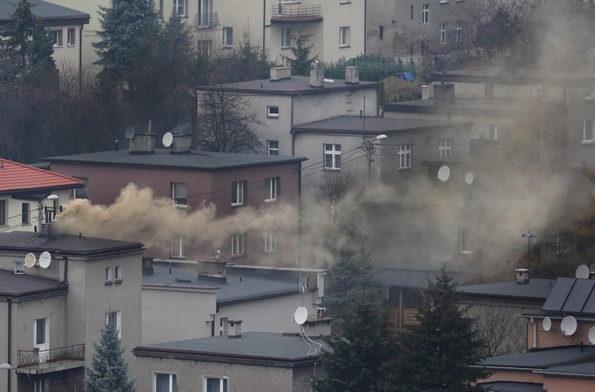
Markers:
point(234, 330)
point(280, 73)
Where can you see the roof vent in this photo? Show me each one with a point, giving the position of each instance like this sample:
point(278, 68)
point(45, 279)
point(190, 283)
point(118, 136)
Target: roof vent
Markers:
point(234, 331)
point(280, 73)
point(317, 76)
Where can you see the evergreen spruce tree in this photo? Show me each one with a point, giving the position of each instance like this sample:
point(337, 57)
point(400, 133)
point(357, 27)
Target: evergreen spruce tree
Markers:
point(436, 355)
point(301, 62)
point(109, 371)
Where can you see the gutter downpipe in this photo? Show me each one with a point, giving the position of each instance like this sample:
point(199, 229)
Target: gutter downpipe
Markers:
point(365, 26)
point(534, 332)
point(81, 59)
point(264, 25)
point(8, 344)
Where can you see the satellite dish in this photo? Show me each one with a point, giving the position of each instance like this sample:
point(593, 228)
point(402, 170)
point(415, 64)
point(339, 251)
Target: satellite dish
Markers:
point(568, 326)
point(537, 90)
point(444, 173)
point(546, 324)
point(30, 260)
point(301, 315)
point(592, 335)
point(45, 259)
point(167, 139)
point(582, 272)
point(129, 133)
point(469, 177)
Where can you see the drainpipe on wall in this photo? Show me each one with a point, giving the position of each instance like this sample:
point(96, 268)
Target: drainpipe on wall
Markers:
point(534, 332)
point(264, 25)
point(8, 344)
point(365, 27)
point(81, 59)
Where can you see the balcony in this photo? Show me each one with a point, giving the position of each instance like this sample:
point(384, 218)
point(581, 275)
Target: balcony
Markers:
point(206, 20)
point(53, 359)
point(284, 13)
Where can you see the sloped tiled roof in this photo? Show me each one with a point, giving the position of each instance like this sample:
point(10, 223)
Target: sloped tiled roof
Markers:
point(17, 177)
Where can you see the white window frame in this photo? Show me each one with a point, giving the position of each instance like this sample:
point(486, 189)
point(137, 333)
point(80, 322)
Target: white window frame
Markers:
point(425, 14)
point(118, 273)
point(57, 38)
point(588, 131)
point(458, 32)
point(273, 147)
point(223, 326)
point(273, 111)
point(222, 383)
point(18, 267)
point(205, 10)
point(443, 32)
point(228, 37)
point(181, 8)
point(179, 194)
point(45, 344)
point(108, 275)
point(172, 380)
point(237, 244)
point(271, 185)
point(344, 36)
point(118, 318)
point(238, 189)
point(178, 246)
point(463, 233)
point(405, 154)
point(271, 240)
point(286, 34)
point(332, 156)
point(492, 133)
point(445, 148)
point(71, 37)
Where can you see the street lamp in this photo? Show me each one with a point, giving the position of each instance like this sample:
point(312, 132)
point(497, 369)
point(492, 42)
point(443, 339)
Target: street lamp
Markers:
point(8, 366)
point(369, 148)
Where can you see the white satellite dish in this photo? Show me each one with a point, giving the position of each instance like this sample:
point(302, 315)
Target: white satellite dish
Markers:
point(167, 139)
point(129, 133)
point(568, 326)
point(30, 260)
point(444, 173)
point(582, 272)
point(469, 177)
point(592, 335)
point(537, 90)
point(45, 259)
point(301, 315)
point(546, 324)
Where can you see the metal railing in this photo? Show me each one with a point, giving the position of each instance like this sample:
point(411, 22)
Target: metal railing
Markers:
point(35, 358)
point(296, 11)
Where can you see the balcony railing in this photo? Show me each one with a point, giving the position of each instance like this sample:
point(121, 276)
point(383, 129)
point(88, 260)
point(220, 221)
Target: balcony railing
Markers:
point(289, 13)
point(37, 358)
point(206, 20)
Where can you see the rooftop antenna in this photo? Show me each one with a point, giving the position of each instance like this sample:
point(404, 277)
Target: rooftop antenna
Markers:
point(129, 133)
point(568, 326)
point(444, 173)
point(30, 260)
point(582, 272)
point(45, 260)
point(592, 336)
point(167, 139)
point(546, 324)
point(528, 236)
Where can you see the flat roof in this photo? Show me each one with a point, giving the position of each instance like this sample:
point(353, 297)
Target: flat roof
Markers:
point(251, 345)
point(377, 125)
point(22, 285)
point(511, 386)
point(197, 160)
point(536, 288)
point(408, 278)
point(546, 358)
point(45, 10)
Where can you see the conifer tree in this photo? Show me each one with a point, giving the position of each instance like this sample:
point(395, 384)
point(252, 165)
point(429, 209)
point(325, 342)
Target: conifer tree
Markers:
point(109, 371)
point(438, 354)
point(301, 62)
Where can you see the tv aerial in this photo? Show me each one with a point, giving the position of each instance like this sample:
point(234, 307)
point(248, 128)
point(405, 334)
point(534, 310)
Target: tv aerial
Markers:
point(45, 259)
point(444, 173)
point(129, 133)
point(469, 177)
point(301, 315)
point(568, 326)
point(30, 260)
point(546, 324)
point(582, 272)
point(592, 335)
point(168, 139)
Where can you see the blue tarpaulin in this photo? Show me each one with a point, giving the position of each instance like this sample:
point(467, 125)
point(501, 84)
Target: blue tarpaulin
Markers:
point(408, 76)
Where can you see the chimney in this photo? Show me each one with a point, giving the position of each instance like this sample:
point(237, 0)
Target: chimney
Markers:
point(522, 275)
point(280, 73)
point(212, 269)
point(317, 76)
point(182, 143)
point(142, 143)
point(444, 94)
point(352, 74)
point(234, 330)
point(425, 92)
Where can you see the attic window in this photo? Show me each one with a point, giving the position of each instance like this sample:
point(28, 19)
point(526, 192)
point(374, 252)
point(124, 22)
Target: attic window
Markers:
point(18, 267)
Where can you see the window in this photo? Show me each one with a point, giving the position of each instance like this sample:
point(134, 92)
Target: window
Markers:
point(237, 244)
point(165, 382)
point(425, 14)
point(41, 385)
point(108, 275)
point(442, 33)
point(205, 47)
point(464, 240)
point(160, 12)
point(562, 245)
point(3, 212)
point(273, 147)
point(179, 194)
point(271, 186)
point(41, 333)
point(405, 155)
point(71, 38)
point(588, 131)
point(180, 7)
point(332, 156)
point(81, 193)
point(380, 32)
point(492, 133)
point(412, 11)
point(223, 326)
point(238, 192)
point(25, 213)
point(178, 246)
point(215, 384)
point(118, 273)
point(57, 38)
point(205, 9)
point(115, 318)
point(285, 38)
point(271, 239)
point(18, 267)
point(343, 36)
point(228, 37)
point(445, 148)
point(458, 32)
point(273, 111)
